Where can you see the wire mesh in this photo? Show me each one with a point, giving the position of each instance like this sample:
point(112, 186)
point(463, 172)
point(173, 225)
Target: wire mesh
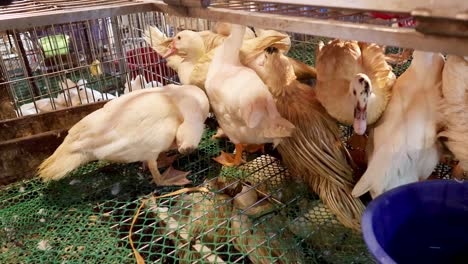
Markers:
point(105, 53)
point(38, 6)
point(347, 15)
point(255, 214)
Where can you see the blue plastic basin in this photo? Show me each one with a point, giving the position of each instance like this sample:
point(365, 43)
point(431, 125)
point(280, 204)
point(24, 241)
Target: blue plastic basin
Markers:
point(424, 222)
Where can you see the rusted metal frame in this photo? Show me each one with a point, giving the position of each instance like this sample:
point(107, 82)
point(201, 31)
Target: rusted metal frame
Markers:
point(452, 9)
point(20, 21)
point(383, 35)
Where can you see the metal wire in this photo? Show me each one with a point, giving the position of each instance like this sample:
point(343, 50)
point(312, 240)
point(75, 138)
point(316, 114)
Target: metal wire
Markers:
point(116, 42)
point(352, 16)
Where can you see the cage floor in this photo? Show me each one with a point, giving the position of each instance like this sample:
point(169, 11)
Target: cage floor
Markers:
point(256, 214)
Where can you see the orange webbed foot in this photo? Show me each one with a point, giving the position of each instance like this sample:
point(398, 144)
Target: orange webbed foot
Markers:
point(255, 148)
point(230, 160)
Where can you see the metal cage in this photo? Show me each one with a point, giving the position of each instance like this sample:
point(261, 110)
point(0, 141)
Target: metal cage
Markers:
point(88, 217)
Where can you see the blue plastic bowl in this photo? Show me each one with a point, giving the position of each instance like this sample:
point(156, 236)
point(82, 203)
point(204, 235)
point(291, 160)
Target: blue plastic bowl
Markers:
point(424, 222)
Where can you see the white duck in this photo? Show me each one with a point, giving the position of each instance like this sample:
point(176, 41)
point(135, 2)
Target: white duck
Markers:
point(136, 84)
point(42, 105)
point(78, 93)
point(139, 83)
point(454, 111)
point(191, 43)
point(404, 140)
point(121, 132)
point(242, 103)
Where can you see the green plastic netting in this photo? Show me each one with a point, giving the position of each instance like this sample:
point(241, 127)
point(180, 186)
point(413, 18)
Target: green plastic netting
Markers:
point(255, 214)
point(86, 217)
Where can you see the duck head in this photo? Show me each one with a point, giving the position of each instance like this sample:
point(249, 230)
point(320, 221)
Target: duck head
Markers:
point(188, 42)
point(360, 88)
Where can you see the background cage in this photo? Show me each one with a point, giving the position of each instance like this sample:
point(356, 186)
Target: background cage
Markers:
point(87, 216)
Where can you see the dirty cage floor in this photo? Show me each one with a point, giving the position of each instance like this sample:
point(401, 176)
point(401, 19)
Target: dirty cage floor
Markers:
point(86, 217)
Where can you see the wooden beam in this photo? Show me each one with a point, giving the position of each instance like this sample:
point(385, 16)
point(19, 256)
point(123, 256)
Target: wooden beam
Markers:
point(19, 158)
point(25, 142)
point(40, 123)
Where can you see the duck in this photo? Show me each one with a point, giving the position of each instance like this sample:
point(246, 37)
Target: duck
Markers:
point(198, 50)
point(78, 93)
point(224, 29)
point(314, 151)
point(453, 112)
point(339, 64)
point(242, 103)
point(193, 46)
point(43, 105)
point(139, 82)
point(121, 132)
point(404, 141)
point(136, 84)
point(190, 58)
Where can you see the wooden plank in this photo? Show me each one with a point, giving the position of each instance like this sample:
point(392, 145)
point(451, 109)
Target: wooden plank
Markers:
point(55, 120)
point(383, 35)
point(19, 158)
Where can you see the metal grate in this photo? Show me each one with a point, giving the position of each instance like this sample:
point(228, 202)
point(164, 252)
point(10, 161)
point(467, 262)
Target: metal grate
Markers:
point(352, 16)
point(105, 52)
point(24, 7)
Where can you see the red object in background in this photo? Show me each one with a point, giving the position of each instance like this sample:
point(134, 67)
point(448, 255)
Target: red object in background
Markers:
point(151, 64)
point(404, 23)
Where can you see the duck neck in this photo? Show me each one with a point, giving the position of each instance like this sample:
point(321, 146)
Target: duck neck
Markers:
point(196, 52)
point(278, 81)
point(232, 45)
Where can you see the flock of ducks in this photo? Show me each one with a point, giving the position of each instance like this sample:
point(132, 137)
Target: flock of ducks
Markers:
point(260, 95)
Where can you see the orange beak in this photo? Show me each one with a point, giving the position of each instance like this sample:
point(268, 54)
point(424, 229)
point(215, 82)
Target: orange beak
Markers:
point(171, 51)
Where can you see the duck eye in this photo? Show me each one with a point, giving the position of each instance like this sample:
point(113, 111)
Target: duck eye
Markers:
point(354, 92)
point(178, 37)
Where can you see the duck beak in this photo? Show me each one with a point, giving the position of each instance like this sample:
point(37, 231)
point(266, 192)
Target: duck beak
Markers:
point(171, 51)
point(360, 119)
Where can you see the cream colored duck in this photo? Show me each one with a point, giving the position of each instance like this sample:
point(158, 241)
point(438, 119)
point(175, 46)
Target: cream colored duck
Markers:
point(184, 51)
point(42, 105)
point(136, 84)
point(404, 140)
point(338, 64)
point(242, 103)
point(78, 93)
point(224, 29)
point(175, 55)
point(140, 83)
point(192, 45)
point(454, 111)
point(122, 132)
